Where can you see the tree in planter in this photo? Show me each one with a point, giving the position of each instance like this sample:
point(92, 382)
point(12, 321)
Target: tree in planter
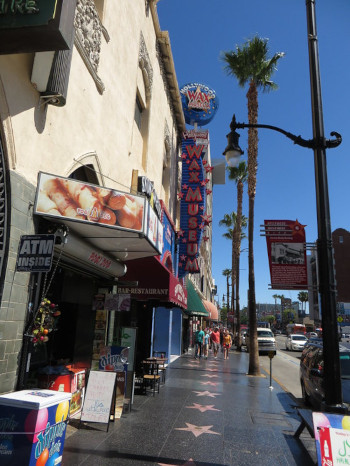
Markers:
point(250, 65)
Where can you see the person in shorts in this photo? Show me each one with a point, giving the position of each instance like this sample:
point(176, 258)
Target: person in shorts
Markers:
point(215, 339)
point(199, 340)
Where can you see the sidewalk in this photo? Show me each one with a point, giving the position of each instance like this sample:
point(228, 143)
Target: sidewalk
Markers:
point(209, 412)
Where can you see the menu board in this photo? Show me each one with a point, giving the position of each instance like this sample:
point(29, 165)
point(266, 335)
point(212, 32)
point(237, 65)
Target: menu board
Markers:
point(99, 397)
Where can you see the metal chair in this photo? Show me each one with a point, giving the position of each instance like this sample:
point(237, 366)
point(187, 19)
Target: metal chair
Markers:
point(151, 375)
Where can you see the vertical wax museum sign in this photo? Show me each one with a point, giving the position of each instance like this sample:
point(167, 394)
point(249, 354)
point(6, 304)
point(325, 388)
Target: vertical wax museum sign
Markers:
point(285, 241)
point(192, 208)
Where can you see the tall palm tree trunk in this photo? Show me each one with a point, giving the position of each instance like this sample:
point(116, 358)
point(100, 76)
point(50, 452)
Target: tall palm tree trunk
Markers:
point(238, 251)
point(252, 97)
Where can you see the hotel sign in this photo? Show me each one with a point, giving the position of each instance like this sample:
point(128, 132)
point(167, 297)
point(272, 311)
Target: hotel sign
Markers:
point(28, 26)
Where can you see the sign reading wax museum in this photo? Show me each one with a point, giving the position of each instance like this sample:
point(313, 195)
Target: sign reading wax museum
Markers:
point(193, 218)
point(199, 103)
point(285, 241)
point(35, 253)
point(36, 25)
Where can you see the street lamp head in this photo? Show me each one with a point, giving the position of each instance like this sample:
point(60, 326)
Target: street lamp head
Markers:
point(232, 152)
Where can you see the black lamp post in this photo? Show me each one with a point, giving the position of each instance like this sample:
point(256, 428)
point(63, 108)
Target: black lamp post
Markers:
point(319, 144)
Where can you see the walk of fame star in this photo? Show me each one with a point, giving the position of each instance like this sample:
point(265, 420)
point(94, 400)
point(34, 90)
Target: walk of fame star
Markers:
point(206, 393)
point(213, 384)
point(190, 462)
point(203, 408)
point(209, 376)
point(197, 430)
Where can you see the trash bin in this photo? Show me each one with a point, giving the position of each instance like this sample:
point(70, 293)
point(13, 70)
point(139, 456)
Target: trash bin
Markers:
point(33, 427)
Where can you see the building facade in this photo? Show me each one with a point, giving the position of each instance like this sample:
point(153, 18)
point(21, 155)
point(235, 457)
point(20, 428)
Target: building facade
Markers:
point(82, 129)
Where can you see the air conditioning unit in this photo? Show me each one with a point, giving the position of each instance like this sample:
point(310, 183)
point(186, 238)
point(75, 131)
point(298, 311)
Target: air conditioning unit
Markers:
point(50, 75)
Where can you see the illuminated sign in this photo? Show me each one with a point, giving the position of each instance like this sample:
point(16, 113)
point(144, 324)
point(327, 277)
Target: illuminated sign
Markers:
point(199, 103)
point(193, 219)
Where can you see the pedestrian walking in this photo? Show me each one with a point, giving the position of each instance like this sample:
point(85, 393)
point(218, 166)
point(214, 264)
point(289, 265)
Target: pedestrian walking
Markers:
point(199, 340)
point(206, 344)
point(226, 343)
point(215, 339)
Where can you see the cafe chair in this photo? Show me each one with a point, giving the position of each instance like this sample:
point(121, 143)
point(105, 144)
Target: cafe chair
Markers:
point(151, 376)
point(162, 366)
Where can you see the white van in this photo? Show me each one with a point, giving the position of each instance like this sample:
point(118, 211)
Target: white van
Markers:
point(266, 340)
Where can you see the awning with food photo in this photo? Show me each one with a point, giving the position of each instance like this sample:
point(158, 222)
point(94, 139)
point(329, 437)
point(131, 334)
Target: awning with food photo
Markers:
point(122, 226)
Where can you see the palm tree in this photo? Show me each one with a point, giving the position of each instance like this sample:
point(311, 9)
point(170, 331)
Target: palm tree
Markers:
point(303, 297)
point(229, 221)
point(239, 175)
point(227, 273)
point(250, 65)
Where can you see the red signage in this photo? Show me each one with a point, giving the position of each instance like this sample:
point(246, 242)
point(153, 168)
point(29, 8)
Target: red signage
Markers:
point(287, 255)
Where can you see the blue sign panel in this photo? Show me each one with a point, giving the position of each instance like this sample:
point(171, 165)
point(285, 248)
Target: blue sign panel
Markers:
point(199, 103)
point(168, 254)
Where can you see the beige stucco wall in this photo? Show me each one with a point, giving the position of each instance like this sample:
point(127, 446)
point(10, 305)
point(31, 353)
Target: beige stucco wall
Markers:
point(50, 138)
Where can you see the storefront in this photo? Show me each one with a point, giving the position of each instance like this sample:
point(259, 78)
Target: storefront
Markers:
point(75, 311)
point(197, 314)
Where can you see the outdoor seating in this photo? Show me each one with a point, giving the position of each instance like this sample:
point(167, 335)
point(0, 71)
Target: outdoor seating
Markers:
point(151, 377)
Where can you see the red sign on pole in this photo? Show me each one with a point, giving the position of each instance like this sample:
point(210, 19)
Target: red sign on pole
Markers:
point(285, 241)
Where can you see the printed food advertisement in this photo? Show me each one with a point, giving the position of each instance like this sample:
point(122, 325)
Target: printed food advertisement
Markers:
point(62, 197)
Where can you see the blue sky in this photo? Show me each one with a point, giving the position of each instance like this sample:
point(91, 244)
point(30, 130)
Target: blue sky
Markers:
point(199, 30)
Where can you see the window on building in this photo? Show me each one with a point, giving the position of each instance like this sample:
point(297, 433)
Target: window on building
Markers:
point(138, 112)
point(341, 239)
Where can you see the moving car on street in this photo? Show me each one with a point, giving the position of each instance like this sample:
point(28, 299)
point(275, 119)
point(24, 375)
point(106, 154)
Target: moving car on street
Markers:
point(296, 342)
point(266, 340)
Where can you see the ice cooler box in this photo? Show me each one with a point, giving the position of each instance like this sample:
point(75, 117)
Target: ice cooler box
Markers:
point(33, 427)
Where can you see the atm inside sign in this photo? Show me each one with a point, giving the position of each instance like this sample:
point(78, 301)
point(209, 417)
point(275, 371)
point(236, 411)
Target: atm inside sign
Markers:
point(35, 253)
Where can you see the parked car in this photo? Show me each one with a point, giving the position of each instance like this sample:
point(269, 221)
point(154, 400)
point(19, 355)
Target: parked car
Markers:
point(266, 340)
point(295, 342)
point(312, 376)
point(243, 339)
point(311, 334)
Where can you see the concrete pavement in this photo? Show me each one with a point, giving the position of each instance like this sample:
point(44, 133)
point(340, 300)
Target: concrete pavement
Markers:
point(209, 412)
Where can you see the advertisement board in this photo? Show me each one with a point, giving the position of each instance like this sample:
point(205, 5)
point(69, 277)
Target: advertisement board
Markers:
point(35, 253)
point(285, 241)
point(83, 202)
point(199, 103)
point(192, 207)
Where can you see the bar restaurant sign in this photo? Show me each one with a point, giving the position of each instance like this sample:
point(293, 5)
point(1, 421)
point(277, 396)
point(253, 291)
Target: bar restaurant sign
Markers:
point(28, 26)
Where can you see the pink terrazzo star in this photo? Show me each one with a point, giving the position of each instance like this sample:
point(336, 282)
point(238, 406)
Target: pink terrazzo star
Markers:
point(197, 430)
point(213, 384)
point(203, 408)
point(209, 376)
point(206, 393)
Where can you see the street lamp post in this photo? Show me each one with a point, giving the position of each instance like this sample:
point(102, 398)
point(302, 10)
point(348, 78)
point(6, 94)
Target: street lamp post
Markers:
point(327, 287)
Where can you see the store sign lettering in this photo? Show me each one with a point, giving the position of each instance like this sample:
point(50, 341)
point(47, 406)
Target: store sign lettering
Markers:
point(145, 291)
point(99, 260)
point(22, 7)
point(192, 195)
point(47, 439)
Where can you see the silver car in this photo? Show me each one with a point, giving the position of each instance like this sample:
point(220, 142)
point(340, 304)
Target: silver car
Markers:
point(296, 342)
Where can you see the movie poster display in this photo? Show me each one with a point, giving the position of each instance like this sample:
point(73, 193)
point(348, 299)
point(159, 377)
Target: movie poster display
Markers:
point(285, 241)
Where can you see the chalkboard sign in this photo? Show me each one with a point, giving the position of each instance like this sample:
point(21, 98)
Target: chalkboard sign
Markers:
point(98, 397)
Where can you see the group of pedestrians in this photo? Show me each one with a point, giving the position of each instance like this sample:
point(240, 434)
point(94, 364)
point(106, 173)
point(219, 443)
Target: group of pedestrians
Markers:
point(213, 338)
